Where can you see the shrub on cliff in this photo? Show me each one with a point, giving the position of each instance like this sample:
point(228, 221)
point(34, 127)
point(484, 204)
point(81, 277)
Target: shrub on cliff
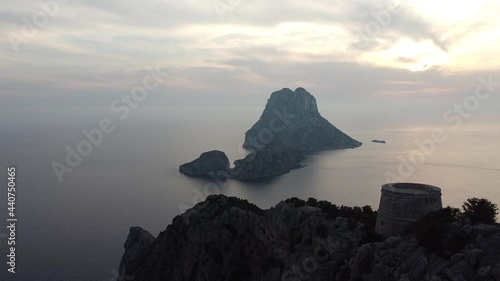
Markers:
point(433, 231)
point(365, 214)
point(480, 210)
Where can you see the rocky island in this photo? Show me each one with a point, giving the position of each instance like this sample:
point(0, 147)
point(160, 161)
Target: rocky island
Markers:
point(209, 162)
point(289, 127)
point(226, 238)
point(275, 160)
point(292, 117)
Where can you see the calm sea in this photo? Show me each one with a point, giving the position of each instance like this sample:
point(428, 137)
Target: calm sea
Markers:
point(75, 230)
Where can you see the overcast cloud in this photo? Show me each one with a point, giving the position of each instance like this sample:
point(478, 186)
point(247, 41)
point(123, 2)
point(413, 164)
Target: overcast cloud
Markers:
point(355, 53)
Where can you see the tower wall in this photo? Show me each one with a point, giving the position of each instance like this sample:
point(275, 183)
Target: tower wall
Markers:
point(402, 204)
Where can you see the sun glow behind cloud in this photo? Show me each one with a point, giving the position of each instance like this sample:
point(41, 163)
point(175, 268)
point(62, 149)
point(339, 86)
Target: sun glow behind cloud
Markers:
point(256, 42)
point(416, 56)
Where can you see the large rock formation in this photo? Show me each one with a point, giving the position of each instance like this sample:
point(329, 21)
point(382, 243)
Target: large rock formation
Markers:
point(272, 161)
point(289, 126)
point(137, 242)
point(230, 239)
point(208, 164)
point(292, 117)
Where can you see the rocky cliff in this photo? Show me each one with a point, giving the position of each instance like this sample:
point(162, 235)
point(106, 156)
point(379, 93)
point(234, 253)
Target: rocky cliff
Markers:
point(230, 239)
point(273, 161)
point(292, 117)
point(289, 126)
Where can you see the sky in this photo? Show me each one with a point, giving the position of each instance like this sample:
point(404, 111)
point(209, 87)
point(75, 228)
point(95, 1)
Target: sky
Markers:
point(411, 57)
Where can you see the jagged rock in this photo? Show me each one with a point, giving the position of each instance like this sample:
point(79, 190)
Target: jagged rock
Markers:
point(473, 256)
point(226, 238)
point(484, 271)
point(363, 261)
point(137, 241)
point(230, 239)
point(292, 118)
point(495, 272)
point(208, 164)
point(419, 268)
point(273, 161)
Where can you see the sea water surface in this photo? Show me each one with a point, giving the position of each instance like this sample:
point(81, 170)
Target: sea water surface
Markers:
point(75, 229)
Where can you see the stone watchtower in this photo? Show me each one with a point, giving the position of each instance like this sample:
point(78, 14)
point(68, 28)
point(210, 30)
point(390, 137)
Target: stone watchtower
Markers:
point(402, 204)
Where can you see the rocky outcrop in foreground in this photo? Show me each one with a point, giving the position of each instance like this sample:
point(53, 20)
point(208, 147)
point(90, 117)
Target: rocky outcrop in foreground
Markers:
point(225, 238)
point(289, 126)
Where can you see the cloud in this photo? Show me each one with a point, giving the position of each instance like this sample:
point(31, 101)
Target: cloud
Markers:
point(256, 47)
